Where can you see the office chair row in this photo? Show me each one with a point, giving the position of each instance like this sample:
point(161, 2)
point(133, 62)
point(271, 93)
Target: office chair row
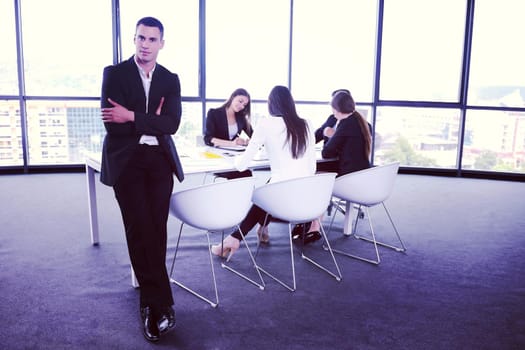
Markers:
point(221, 206)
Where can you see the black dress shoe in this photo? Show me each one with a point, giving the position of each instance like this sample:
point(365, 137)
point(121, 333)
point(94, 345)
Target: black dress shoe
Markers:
point(151, 329)
point(166, 320)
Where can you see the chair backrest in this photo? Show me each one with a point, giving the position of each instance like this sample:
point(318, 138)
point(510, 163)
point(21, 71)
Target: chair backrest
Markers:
point(214, 206)
point(298, 200)
point(368, 186)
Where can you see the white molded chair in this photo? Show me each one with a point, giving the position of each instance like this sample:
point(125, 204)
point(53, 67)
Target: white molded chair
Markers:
point(297, 201)
point(367, 188)
point(212, 207)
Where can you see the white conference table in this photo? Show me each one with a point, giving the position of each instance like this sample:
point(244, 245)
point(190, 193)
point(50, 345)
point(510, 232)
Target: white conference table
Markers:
point(200, 160)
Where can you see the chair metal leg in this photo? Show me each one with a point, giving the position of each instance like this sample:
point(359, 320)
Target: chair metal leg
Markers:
point(229, 268)
point(293, 287)
point(186, 288)
point(386, 245)
point(373, 239)
point(287, 286)
point(339, 276)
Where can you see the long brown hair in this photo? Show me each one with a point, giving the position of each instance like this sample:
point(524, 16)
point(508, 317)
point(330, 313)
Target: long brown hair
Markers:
point(246, 111)
point(343, 102)
point(282, 104)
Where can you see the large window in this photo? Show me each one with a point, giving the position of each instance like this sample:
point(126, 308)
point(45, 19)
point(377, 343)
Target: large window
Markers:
point(8, 67)
point(66, 49)
point(417, 137)
point(11, 150)
point(246, 46)
point(61, 132)
point(442, 82)
point(333, 47)
point(422, 50)
point(494, 141)
point(497, 69)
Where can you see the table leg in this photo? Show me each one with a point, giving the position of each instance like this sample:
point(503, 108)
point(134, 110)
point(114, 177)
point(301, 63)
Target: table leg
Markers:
point(347, 227)
point(92, 204)
point(134, 281)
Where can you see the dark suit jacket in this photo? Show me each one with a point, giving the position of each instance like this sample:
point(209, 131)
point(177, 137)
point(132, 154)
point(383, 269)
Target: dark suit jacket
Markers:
point(319, 132)
point(122, 83)
point(217, 125)
point(347, 144)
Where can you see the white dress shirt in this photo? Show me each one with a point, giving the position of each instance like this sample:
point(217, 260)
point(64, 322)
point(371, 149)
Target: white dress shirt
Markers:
point(146, 83)
point(271, 133)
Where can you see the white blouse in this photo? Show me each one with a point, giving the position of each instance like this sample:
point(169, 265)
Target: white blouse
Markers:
point(271, 133)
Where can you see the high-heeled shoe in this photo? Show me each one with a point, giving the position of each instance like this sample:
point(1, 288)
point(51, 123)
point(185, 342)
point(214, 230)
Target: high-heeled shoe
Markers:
point(262, 233)
point(227, 248)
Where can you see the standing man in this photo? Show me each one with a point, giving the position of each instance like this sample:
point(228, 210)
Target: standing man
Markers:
point(141, 109)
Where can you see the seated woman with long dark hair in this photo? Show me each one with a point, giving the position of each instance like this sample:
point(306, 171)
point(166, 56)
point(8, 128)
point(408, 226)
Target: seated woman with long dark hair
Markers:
point(289, 142)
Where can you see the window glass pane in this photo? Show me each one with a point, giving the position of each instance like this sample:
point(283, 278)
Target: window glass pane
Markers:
point(333, 47)
point(190, 126)
point(318, 113)
point(417, 137)
point(66, 49)
point(61, 132)
point(422, 50)
point(181, 34)
point(315, 113)
point(9, 80)
point(246, 46)
point(495, 141)
point(11, 152)
point(497, 69)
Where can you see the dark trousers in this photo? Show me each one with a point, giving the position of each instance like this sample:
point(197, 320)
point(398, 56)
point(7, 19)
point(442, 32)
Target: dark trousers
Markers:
point(255, 216)
point(143, 192)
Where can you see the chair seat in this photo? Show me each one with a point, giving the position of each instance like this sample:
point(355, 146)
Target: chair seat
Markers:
point(211, 207)
point(367, 188)
point(295, 201)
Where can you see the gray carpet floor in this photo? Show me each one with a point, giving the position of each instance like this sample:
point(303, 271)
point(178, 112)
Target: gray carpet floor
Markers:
point(460, 285)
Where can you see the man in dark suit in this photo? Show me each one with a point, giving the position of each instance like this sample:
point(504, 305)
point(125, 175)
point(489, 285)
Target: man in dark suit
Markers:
point(141, 109)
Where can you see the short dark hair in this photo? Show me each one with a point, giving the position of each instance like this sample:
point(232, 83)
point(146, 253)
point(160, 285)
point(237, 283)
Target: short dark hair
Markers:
point(335, 92)
point(151, 22)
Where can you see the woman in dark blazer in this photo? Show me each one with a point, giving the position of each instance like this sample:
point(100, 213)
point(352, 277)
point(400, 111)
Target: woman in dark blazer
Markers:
point(323, 133)
point(225, 124)
point(349, 140)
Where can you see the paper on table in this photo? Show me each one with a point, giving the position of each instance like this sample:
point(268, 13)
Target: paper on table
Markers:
point(243, 135)
point(211, 155)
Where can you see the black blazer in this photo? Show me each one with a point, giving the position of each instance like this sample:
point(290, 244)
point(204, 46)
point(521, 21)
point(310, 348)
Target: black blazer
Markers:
point(347, 144)
point(217, 125)
point(319, 135)
point(122, 83)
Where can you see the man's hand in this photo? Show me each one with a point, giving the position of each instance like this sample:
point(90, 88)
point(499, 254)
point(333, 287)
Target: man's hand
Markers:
point(118, 113)
point(159, 108)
